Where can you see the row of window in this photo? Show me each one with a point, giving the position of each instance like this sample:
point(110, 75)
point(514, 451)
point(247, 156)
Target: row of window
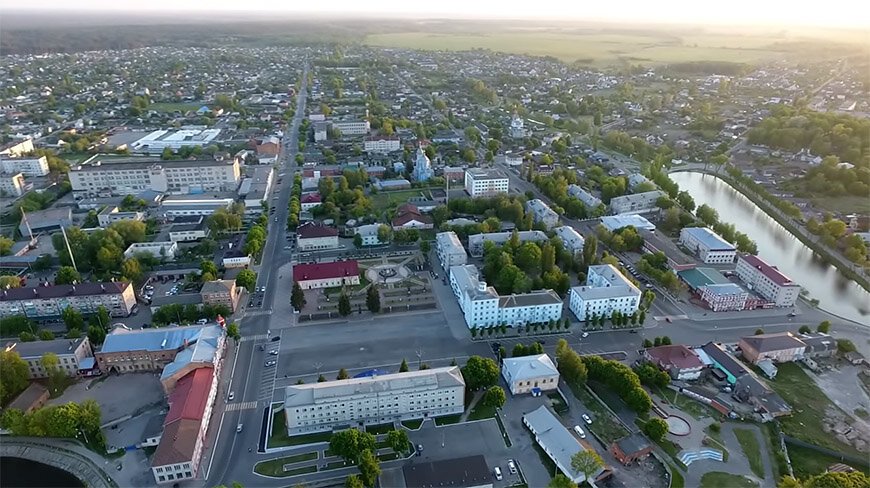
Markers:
point(173, 467)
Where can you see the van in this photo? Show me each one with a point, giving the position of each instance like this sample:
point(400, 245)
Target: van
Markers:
point(579, 432)
point(239, 428)
point(497, 472)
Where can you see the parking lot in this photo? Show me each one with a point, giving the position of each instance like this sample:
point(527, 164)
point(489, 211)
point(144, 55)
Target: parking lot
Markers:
point(115, 394)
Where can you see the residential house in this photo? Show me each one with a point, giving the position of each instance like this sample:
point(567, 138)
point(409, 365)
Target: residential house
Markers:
point(70, 353)
point(542, 213)
point(220, 292)
point(677, 360)
point(409, 217)
point(527, 374)
point(45, 302)
point(314, 235)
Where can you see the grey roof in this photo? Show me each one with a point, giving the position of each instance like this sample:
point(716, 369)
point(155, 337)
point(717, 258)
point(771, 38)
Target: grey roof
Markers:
point(555, 439)
point(162, 339)
point(752, 388)
point(619, 286)
point(709, 239)
point(819, 342)
point(529, 367)
point(570, 237)
point(110, 165)
point(532, 298)
point(36, 349)
point(307, 394)
point(584, 196)
point(716, 353)
point(502, 237)
point(773, 342)
point(217, 286)
point(28, 397)
point(184, 299)
point(634, 443)
point(486, 174)
point(203, 350)
point(614, 222)
point(467, 281)
point(457, 472)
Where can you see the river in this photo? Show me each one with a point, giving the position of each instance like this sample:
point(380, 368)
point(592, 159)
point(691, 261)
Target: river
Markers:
point(24, 473)
point(776, 245)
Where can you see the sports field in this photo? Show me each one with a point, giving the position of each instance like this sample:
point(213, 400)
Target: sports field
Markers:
point(596, 49)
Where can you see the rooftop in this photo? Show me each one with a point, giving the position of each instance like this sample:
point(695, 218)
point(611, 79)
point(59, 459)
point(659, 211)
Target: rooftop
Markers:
point(676, 355)
point(161, 339)
point(486, 174)
point(320, 271)
point(698, 277)
point(555, 439)
point(528, 367)
point(530, 299)
point(614, 222)
point(773, 342)
point(184, 420)
point(766, 269)
point(57, 291)
point(313, 230)
point(457, 472)
point(218, 286)
point(35, 349)
point(29, 396)
point(709, 239)
point(634, 443)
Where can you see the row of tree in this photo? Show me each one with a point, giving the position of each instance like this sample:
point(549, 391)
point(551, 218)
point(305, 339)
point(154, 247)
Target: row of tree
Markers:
point(621, 379)
point(72, 420)
point(184, 314)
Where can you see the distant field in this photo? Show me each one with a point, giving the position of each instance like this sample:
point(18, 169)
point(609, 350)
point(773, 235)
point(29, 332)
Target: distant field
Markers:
point(600, 49)
point(844, 204)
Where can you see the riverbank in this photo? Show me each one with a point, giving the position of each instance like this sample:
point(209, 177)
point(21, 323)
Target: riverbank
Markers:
point(834, 259)
point(49, 452)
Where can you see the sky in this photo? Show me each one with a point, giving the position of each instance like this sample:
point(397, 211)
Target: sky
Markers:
point(829, 13)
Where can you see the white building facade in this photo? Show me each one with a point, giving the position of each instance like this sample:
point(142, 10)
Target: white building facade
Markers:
point(572, 241)
point(178, 177)
point(707, 245)
point(606, 291)
point(381, 144)
point(370, 400)
point(636, 202)
point(481, 182)
point(450, 251)
point(352, 127)
point(767, 281)
point(26, 166)
point(158, 249)
point(542, 213)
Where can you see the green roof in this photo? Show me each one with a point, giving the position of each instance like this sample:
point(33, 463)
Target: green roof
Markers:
point(698, 277)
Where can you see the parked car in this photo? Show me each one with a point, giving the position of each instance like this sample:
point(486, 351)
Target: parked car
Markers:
point(497, 472)
point(231, 396)
point(585, 335)
point(512, 467)
point(271, 362)
point(273, 352)
point(238, 428)
point(579, 431)
point(587, 419)
point(276, 338)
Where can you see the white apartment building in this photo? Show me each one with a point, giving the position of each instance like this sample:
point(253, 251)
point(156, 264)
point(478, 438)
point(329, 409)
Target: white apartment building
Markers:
point(357, 402)
point(27, 166)
point(571, 239)
point(482, 306)
point(606, 291)
point(707, 245)
point(183, 205)
point(178, 177)
point(449, 250)
point(352, 127)
point(480, 182)
point(70, 352)
point(17, 147)
point(369, 234)
point(476, 241)
point(381, 144)
point(12, 185)
point(636, 202)
point(584, 196)
point(320, 131)
point(158, 249)
point(542, 213)
point(767, 281)
point(111, 214)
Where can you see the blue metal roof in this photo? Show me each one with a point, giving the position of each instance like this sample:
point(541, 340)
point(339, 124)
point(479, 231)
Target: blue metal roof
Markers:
point(709, 238)
point(163, 339)
point(201, 351)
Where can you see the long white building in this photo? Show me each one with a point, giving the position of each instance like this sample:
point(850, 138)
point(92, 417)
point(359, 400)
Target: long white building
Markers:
point(480, 182)
point(542, 213)
point(356, 402)
point(584, 196)
point(482, 306)
point(450, 251)
point(476, 241)
point(156, 142)
point(636, 202)
point(767, 281)
point(571, 239)
point(179, 177)
point(381, 144)
point(606, 291)
point(26, 166)
point(352, 127)
point(707, 245)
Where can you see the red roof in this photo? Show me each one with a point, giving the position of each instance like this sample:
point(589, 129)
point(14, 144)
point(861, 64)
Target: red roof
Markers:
point(677, 355)
point(310, 198)
point(321, 271)
point(771, 272)
point(312, 230)
point(190, 396)
point(408, 212)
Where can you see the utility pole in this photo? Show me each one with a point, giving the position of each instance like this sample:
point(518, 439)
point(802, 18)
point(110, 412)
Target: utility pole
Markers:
point(419, 352)
point(68, 249)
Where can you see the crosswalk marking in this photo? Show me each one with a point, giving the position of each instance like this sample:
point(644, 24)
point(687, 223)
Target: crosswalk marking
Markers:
point(241, 406)
point(257, 337)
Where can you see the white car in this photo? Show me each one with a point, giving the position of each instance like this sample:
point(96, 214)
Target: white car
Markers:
point(579, 432)
point(232, 395)
point(497, 472)
point(512, 467)
point(587, 419)
point(585, 335)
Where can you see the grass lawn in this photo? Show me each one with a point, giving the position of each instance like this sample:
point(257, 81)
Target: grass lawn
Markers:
point(716, 441)
point(388, 456)
point(481, 412)
point(672, 448)
point(558, 404)
point(448, 419)
point(279, 437)
point(718, 479)
point(379, 429)
point(336, 465)
point(677, 480)
point(809, 404)
point(412, 424)
point(686, 404)
point(275, 467)
point(386, 199)
point(605, 426)
point(807, 462)
point(749, 443)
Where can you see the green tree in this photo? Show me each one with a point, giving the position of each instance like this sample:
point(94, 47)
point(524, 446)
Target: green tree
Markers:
point(655, 428)
point(480, 372)
point(759, 331)
point(403, 368)
point(46, 335)
point(357, 240)
point(27, 336)
point(398, 440)
point(248, 280)
point(321, 379)
point(73, 333)
point(494, 397)
point(350, 444)
point(344, 304)
point(67, 275)
point(369, 468)
point(570, 364)
point(73, 319)
point(14, 375)
point(342, 374)
point(131, 269)
point(233, 331)
point(96, 335)
point(424, 247)
point(561, 481)
point(373, 299)
point(353, 481)
point(824, 327)
point(297, 296)
point(587, 462)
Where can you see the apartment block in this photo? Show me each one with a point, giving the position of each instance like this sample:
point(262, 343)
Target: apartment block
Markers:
point(449, 250)
point(707, 245)
point(176, 177)
point(44, 302)
point(767, 281)
point(605, 292)
point(480, 182)
point(70, 353)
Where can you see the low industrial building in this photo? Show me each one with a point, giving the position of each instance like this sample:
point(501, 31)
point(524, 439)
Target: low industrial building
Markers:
point(482, 306)
point(557, 442)
point(606, 291)
point(769, 282)
point(236, 258)
point(69, 352)
point(32, 398)
point(49, 302)
point(480, 182)
point(158, 249)
point(112, 214)
point(636, 202)
point(326, 275)
point(627, 450)
point(50, 219)
point(450, 250)
point(654, 242)
point(530, 374)
point(707, 245)
point(781, 347)
point(476, 241)
point(542, 213)
point(256, 187)
point(183, 205)
point(470, 471)
point(188, 231)
point(376, 399)
point(188, 136)
point(572, 241)
point(315, 236)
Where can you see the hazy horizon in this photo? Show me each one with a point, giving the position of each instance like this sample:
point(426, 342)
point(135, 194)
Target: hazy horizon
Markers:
point(836, 14)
